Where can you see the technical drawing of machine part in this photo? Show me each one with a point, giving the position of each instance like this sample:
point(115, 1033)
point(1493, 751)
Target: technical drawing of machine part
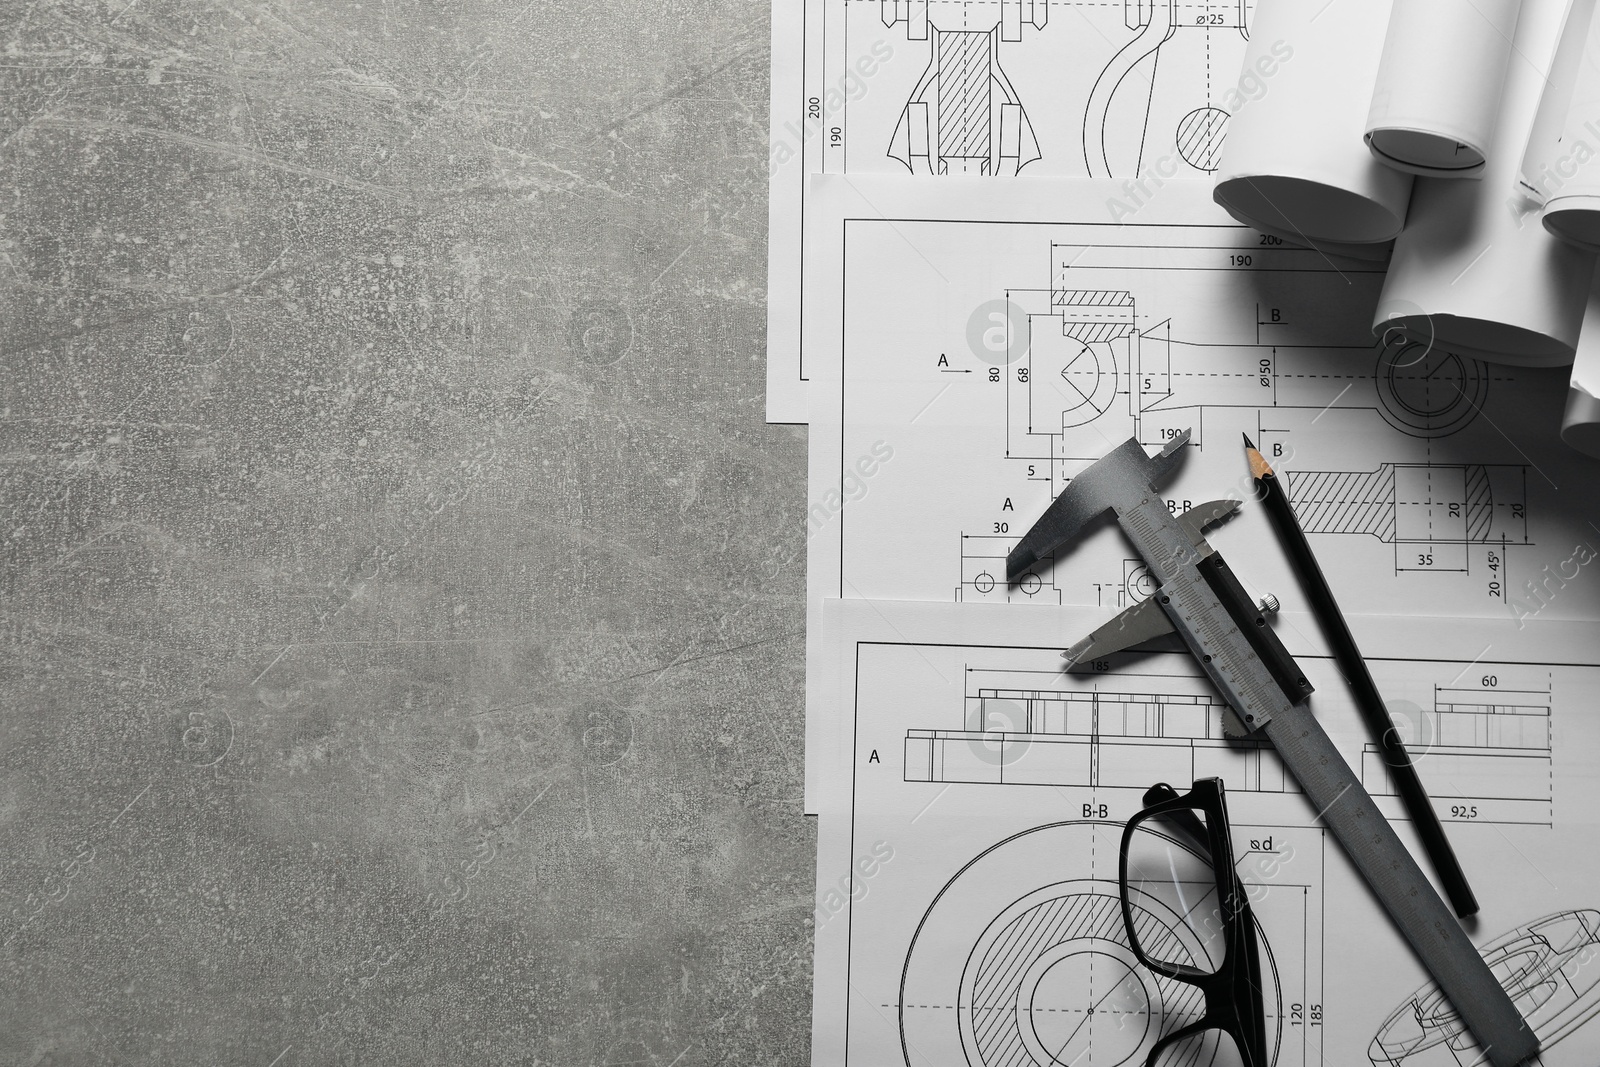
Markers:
point(1097, 740)
point(1396, 502)
point(1091, 356)
point(1546, 966)
point(1491, 751)
point(1137, 582)
point(1202, 602)
point(964, 117)
point(1088, 350)
point(1430, 512)
point(1100, 327)
point(1425, 391)
point(1088, 361)
point(1048, 974)
point(1168, 83)
point(983, 566)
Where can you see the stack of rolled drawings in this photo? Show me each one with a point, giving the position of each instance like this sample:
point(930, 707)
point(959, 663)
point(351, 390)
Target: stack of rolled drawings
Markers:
point(1461, 146)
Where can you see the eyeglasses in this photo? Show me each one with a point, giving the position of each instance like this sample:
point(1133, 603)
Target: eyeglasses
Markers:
point(1188, 918)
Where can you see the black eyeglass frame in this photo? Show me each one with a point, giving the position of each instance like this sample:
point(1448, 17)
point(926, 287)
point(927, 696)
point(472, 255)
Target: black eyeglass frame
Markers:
point(1233, 1000)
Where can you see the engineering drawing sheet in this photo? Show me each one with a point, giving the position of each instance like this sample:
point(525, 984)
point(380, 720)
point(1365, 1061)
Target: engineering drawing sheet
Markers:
point(982, 347)
point(968, 899)
point(950, 89)
point(1057, 88)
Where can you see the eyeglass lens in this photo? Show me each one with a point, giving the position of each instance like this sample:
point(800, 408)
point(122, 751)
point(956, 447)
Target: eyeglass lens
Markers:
point(1172, 890)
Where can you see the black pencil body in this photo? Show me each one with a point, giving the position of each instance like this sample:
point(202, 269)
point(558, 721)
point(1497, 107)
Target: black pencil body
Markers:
point(1369, 702)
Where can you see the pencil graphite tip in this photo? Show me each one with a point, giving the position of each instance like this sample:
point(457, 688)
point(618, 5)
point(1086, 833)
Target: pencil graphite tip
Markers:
point(1259, 467)
point(1247, 442)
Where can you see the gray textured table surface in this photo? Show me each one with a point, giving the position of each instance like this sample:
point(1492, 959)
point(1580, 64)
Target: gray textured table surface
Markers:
point(400, 594)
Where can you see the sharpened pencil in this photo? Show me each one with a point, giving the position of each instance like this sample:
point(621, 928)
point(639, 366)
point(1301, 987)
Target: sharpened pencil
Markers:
point(1275, 499)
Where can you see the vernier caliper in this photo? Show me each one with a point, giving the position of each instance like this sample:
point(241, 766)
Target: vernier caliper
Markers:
point(1200, 600)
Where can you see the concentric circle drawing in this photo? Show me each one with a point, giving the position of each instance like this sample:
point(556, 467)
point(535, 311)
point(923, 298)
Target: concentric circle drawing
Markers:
point(1023, 959)
point(1139, 583)
point(1200, 136)
point(1427, 392)
point(1087, 383)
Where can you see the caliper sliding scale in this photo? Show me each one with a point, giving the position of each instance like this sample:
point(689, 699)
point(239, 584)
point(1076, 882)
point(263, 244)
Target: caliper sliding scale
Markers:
point(1200, 599)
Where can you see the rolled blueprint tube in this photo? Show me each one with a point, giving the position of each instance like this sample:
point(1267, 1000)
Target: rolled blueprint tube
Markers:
point(1537, 178)
point(1580, 426)
point(1294, 161)
point(1568, 178)
point(1473, 270)
point(1438, 89)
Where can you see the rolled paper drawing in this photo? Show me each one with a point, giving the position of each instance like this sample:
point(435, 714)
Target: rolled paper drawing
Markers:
point(1437, 95)
point(1580, 425)
point(1294, 163)
point(1567, 176)
point(1549, 141)
point(1474, 273)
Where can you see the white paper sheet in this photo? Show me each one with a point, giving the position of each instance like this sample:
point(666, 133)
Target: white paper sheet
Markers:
point(968, 909)
point(937, 89)
point(994, 341)
point(1473, 268)
point(1294, 160)
point(786, 168)
point(1437, 94)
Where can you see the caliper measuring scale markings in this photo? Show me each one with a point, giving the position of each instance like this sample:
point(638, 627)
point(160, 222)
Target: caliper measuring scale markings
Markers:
point(1199, 598)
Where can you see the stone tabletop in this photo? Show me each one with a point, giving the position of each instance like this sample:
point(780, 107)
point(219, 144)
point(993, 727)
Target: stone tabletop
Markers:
point(401, 627)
